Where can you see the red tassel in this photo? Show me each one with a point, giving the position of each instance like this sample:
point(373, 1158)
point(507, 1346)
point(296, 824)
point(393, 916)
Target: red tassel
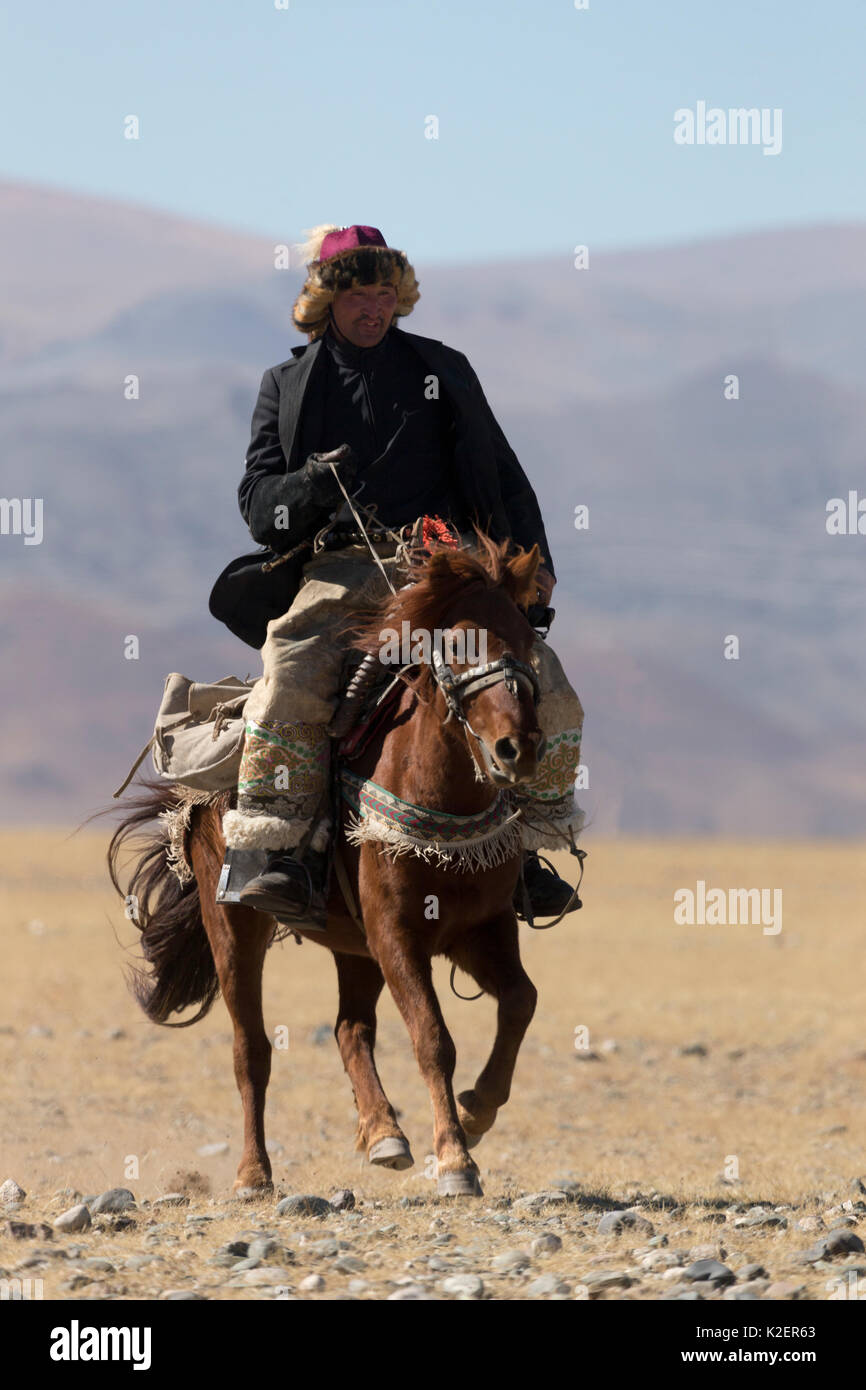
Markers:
point(433, 528)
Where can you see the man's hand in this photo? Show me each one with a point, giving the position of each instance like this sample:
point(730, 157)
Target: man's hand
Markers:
point(539, 614)
point(323, 486)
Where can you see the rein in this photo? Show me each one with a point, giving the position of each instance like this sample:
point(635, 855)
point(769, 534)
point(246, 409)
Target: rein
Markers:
point(360, 526)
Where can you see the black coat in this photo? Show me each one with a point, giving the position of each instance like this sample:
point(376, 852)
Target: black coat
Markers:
point(495, 488)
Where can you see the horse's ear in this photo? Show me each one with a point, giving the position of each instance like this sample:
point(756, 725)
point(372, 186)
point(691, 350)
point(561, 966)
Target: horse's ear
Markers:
point(520, 576)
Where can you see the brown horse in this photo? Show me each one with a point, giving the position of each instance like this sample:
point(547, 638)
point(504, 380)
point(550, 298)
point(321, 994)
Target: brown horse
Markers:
point(412, 908)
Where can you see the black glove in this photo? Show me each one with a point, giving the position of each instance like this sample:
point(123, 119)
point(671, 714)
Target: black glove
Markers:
point(323, 488)
point(539, 615)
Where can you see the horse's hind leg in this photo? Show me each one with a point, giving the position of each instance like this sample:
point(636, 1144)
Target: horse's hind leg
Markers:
point(379, 1134)
point(491, 955)
point(239, 938)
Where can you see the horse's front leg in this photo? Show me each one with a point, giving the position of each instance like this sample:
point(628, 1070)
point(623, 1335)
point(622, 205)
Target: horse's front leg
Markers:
point(408, 973)
point(491, 955)
point(239, 939)
point(379, 1134)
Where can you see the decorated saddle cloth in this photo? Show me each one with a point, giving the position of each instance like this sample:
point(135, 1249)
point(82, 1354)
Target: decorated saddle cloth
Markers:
point(458, 842)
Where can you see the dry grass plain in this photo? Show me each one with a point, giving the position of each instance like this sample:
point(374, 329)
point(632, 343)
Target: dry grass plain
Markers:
point(776, 1091)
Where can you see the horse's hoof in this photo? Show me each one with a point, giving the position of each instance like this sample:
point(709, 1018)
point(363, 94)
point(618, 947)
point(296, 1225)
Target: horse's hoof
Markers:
point(391, 1153)
point(253, 1194)
point(459, 1184)
point(470, 1113)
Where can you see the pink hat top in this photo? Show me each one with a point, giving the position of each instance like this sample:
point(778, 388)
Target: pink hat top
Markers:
point(348, 239)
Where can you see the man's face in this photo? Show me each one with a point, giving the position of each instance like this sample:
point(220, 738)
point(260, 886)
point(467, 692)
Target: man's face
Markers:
point(363, 315)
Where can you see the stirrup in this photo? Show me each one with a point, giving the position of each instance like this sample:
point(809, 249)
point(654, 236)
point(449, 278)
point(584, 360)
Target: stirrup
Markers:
point(276, 901)
point(574, 902)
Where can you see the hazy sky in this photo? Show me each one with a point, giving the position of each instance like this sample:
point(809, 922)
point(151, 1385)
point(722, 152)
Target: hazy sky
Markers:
point(555, 125)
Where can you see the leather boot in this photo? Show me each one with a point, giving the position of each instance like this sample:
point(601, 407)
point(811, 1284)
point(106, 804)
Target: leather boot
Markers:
point(548, 893)
point(290, 888)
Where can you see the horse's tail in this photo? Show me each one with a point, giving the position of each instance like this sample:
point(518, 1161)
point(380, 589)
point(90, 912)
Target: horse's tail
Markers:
point(167, 913)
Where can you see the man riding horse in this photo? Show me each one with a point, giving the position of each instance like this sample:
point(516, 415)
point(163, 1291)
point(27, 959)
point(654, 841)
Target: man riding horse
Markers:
point(400, 423)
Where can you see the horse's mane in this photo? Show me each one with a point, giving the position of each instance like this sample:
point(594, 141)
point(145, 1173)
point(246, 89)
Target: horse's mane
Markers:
point(438, 579)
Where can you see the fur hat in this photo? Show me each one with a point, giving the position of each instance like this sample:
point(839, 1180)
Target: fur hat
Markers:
point(339, 258)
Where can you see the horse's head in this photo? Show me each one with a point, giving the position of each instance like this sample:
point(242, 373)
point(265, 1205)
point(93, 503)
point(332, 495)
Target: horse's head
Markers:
point(472, 646)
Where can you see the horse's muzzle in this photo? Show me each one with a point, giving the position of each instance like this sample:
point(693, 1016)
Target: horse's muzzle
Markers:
point(516, 757)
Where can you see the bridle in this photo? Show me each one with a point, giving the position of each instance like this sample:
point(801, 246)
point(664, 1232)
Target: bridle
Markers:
point(455, 688)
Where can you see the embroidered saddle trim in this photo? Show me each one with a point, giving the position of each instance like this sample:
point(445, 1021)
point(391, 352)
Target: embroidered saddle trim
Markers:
point(482, 840)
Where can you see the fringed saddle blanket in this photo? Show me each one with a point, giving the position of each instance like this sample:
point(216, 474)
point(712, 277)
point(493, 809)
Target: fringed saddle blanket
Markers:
point(461, 843)
point(175, 823)
point(457, 842)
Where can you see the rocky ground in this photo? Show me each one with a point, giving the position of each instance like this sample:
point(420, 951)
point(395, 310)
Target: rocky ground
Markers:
point(559, 1243)
point(686, 1122)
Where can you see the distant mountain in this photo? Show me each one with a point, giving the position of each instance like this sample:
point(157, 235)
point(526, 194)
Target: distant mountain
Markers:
point(706, 514)
point(71, 261)
point(177, 327)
